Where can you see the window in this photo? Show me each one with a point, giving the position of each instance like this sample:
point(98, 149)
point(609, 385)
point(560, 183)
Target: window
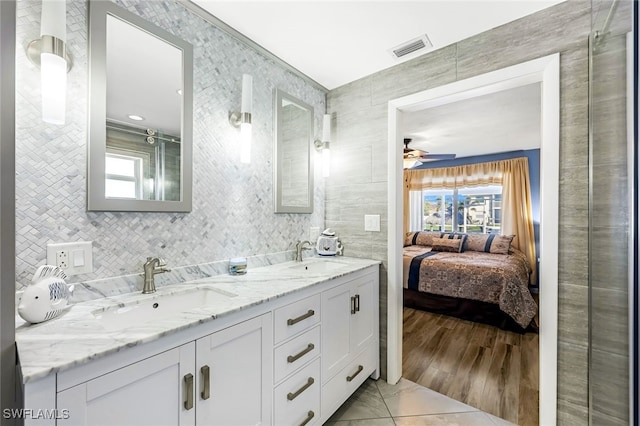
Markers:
point(123, 176)
point(478, 209)
point(437, 208)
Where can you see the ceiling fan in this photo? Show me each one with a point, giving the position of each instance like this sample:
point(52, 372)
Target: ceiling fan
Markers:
point(415, 157)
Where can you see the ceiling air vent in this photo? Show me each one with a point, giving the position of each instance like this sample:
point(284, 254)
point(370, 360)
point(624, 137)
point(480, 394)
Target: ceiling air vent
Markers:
point(413, 46)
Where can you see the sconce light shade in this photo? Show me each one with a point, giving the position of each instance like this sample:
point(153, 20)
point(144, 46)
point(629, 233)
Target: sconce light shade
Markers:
point(324, 145)
point(326, 151)
point(53, 60)
point(242, 119)
point(326, 161)
point(247, 93)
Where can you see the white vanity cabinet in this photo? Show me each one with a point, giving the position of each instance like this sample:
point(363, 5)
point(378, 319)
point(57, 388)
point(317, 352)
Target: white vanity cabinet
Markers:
point(349, 339)
point(223, 378)
point(297, 350)
point(290, 360)
point(234, 375)
point(148, 392)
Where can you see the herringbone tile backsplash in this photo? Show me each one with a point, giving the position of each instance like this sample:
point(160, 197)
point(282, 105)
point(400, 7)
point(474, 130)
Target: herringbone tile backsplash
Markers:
point(232, 204)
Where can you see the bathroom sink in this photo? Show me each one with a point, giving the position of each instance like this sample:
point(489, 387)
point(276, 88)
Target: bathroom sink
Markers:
point(162, 306)
point(318, 266)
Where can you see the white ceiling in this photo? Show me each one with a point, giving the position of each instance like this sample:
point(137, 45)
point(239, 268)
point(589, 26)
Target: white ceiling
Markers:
point(336, 42)
point(503, 121)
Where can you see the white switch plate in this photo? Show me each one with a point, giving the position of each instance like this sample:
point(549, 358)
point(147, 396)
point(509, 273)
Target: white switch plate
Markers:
point(372, 222)
point(73, 258)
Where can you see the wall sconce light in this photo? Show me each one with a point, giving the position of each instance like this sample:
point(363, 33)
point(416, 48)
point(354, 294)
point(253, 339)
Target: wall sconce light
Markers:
point(49, 54)
point(242, 119)
point(324, 145)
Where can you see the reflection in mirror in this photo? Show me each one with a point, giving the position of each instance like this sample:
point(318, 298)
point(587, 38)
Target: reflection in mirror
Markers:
point(141, 164)
point(293, 160)
point(140, 127)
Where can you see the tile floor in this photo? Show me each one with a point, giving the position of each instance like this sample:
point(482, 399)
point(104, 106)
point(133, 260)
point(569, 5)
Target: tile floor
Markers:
point(377, 403)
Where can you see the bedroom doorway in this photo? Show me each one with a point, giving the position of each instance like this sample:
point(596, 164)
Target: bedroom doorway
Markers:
point(545, 71)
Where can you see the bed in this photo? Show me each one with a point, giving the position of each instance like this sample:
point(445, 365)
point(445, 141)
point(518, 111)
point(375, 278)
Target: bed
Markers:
point(478, 277)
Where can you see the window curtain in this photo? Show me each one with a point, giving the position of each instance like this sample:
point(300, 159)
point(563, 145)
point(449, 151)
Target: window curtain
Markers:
point(516, 209)
point(513, 175)
point(416, 215)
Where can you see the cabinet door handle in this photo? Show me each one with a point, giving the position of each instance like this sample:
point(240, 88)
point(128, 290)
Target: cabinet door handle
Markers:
point(353, 305)
point(310, 416)
point(350, 378)
point(294, 395)
point(188, 384)
point(294, 358)
point(204, 370)
point(292, 321)
point(357, 302)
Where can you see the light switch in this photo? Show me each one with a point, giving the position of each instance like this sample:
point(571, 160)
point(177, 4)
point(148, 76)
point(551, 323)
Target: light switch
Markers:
point(77, 257)
point(372, 222)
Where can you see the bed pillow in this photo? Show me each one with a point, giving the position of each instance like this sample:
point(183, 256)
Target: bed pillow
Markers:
point(453, 245)
point(457, 236)
point(422, 238)
point(489, 243)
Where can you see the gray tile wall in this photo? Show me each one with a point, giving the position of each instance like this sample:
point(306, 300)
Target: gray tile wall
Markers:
point(608, 263)
point(232, 205)
point(358, 183)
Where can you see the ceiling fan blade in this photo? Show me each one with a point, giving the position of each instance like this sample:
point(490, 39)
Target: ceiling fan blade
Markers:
point(438, 157)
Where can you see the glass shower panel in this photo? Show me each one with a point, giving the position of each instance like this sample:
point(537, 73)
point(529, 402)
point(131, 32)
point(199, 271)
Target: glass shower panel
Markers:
point(610, 182)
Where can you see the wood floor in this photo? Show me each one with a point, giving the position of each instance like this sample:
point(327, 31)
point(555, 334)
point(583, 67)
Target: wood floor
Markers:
point(480, 365)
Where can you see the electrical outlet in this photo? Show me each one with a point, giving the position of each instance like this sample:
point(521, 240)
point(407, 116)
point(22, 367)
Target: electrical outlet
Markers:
point(62, 259)
point(73, 258)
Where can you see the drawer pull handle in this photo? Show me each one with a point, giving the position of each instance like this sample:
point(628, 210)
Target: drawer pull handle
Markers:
point(294, 395)
point(188, 383)
point(353, 305)
point(350, 378)
point(292, 321)
point(205, 394)
point(357, 302)
point(310, 416)
point(294, 358)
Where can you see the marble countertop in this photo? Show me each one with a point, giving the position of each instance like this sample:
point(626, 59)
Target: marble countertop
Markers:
point(79, 336)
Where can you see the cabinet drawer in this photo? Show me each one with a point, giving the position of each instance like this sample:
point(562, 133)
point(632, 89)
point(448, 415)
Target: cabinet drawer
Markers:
point(296, 353)
point(336, 390)
point(297, 400)
point(296, 317)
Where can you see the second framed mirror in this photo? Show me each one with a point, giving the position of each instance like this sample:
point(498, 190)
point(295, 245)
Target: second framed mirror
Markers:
point(293, 159)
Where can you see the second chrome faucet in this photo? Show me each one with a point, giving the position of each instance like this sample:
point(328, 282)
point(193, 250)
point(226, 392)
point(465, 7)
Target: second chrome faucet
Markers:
point(153, 266)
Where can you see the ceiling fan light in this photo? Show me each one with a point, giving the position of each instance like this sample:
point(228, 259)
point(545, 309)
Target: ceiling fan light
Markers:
point(410, 163)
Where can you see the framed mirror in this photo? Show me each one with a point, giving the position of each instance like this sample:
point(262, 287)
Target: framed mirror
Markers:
point(293, 159)
point(140, 114)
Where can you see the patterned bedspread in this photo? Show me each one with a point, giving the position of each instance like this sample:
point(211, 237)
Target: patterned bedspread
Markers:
point(495, 278)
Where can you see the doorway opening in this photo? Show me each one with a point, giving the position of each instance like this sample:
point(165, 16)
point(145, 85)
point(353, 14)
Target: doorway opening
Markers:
point(545, 71)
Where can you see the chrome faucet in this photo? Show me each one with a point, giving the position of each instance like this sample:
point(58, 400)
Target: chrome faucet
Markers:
point(300, 246)
point(152, 266)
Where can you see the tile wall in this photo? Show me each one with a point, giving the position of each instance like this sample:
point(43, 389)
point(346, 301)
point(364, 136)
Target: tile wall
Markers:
point(232, 204)
point(358, 184)
point(609, 360)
